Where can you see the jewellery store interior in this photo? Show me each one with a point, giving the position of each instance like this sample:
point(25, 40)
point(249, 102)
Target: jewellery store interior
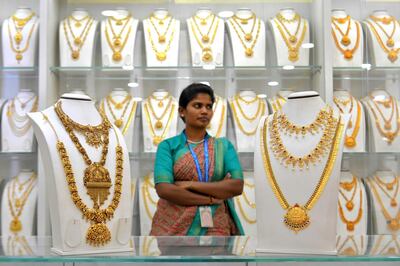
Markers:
point(306, 91)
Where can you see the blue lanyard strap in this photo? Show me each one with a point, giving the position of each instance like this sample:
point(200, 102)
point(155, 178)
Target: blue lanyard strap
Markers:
point(196, 161)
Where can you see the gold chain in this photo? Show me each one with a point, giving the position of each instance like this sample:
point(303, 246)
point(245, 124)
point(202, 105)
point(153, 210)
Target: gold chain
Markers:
point(158, 138)
point(347, 53)
point(15, 48)
point(207, 55)
point(147, 196)
point(392, 53)
point(296, 217)
point(244, 20)
point(349, 202)
point(21, 22)
point(393, 201)
point(282, 20)
point(161, 55)
point(119, 122)
point(13, 118)
point(351, 224)
point(162, 36)
point(79, 41)
point(350, 140)
point(243, 213)
point(221, 118)
point(239, 123)
point(78, 22)
point(19, 25)
point(390, 41)
point(387, 122)
point(159, 124)
point(248, 50)
point(245, 116)
point(116, 45)
point(389, 185)
point(349, 251)
point(348, 185)
point(13, 241)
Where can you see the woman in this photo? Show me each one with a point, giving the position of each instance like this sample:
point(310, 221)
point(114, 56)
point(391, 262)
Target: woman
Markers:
point(194, 201)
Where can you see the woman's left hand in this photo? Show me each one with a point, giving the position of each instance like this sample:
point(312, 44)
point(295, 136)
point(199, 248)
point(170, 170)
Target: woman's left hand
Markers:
point(184, 184)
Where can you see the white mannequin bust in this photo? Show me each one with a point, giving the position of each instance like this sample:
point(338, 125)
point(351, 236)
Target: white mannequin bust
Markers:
point(217, 126)
point(355, 139)
point(247, 34)
point(120, 109)
point(148, 199)
point(16, 129)
point(118, 49)
point(20, 38)
point(383, 49)
point(77, 39)
point(247, 110)
point(159, 118)
point(384, 135)
point(279, 99)
point(68, 226)
point(245, 205)
point(273, 235)
point(348, 40)
point(206, 34)
point(285, 22)
point(386, 245)
point(161, 35)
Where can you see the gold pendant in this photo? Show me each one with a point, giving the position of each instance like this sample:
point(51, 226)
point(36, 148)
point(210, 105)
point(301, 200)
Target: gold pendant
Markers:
point(203, 22)
point(157, 140)
point(158, 124)
point(293, 55)
point(78, 24)
point(161, 56)
point(244, 21)
point(18, 203)
point(392, 56)
point(350, 142)
point(75, 55)
point(97, 182)
point(350, 226)
point(386, 104)
point(249, 52)
point(296, 218)
point(349, 205)
point(18, 37)
point(117, 56)
point(207, 57)
point(21, 23)
point(160, 104)
point(393, 224)
point(118, 106)
point(205, 38)
point(161, 38)
point(386, 20)
point(393, 203)
point(15, 225)
point(93, 139)
point(248, 37)
point(160, 22)
point(77, 41)
point(293, 39)
point(349, 252)
point(19, 57)
point(118, 123)
point(345, 40)
point(348, 54)
point(391, 251)
point(119, 22)
point(388, 125)
point(98, 235)
point(390, 42)
point(117, 42)
point(389, 186)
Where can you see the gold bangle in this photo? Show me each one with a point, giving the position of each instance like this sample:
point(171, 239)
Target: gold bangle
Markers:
point(211, 200)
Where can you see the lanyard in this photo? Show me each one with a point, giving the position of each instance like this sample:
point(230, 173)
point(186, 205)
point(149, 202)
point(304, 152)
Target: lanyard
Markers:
point(196, 160)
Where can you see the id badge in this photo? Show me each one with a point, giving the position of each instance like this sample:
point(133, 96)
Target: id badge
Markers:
point(206, 216)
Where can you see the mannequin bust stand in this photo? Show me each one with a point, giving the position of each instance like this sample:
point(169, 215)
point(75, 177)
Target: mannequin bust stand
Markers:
point(279, 100)
point(148, 200)
point(273, 234)
point(20, 38)
point(68, 226)
point(118, 36)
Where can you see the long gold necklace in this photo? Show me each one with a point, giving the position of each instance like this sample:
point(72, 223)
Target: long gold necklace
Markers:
point(239, 98)
point(146, 186)
point(207, 55)
point(391, 52)
point(17, 204)
point(393, 223)
point(248, 36)
point(278, 102)
point(248, 202)
point(388, 185)
point(349, 202)
point(286, 158)
point(348, 185)
point(158, 124)
point(283, 20)
point(221, 119)
point(296, 217)
point(14, 119)
point(161, 36)
point(350, 224)
point(387, 122)
point(161, 55)
point(248, 50)
point(389, 136)
point(347, 53)
point(96, 180)
point(390, 41)
point(19, 24)
point(243, 212)
point(350, 140)
point(119, 122)
point(238, 120)
point(116, 45)
point(393, 198)
point(18, 39)
point(158, 138)
point(293, 47)
point(78, 41)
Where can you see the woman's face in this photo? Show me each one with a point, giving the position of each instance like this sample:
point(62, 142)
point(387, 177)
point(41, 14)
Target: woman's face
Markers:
point(198, 112)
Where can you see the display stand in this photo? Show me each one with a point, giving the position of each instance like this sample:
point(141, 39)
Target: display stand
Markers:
point(149, 246)
point(279, 100)
point(77, 39)
point(385, 245)
point(16, 129)
point(69, 228)
point(316, 186)
point(352, 245)
point(118, 34)
point(20, 38)
point(217, 126)
point(148, 199)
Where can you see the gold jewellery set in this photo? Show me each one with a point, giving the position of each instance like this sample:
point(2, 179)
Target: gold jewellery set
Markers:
point(345, 39)
point(151, 115)
point(76, 37)
point(204, 31)
point(18, 38)
point(292, 40)
point(162, 28)
point(248, 39)
point(387, 45)
point(297, 217)
point(96, 177)
point(351, 188)
point(19, 123)
point(117, 42)
point(350, 140)
point(278, 102)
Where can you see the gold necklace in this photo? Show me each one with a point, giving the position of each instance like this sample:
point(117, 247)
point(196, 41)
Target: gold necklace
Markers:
point(393, 223)
point(160, 100)
point(387, 122)
point(161, 55)
point(389, 185)
point(24, 103)
point(349, 202)
point(221, 118)
point(119, 122)
point(248, 36)
point(345, 35)
point(205, 37)
point(238, 120)
point(350, 225)
point(207, 55)
point(350, 141)
point(78, 41)
point(286, 158)
point(283, 20)
point(293, 51)
point(248, 50)
point(348, 185)
point(19, 25)
point(161, 21)
point(390, 41)
point(78, 22)
point(158, 138)
point(161, 36)
point(203, 21)
point(296, 217)
point(13, 118)
point(243, 213)
point(16, 48)
point(116, 45)
point(278, 102)
point(243, 113)
point(147, 196)
point(347, 53)
point(16, 205)
point(392, 53)
point(393, 201)
point(244, 21)
point(159, 124)
point(97, 182)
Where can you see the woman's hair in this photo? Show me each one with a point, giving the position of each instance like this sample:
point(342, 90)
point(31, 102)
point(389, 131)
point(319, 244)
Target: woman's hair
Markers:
point(191, 91)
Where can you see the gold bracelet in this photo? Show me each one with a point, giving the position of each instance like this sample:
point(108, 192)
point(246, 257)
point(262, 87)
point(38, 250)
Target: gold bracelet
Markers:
point(211, 200)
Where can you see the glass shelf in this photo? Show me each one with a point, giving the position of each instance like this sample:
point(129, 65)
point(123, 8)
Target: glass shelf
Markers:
point(198, 249)
point(19, 72)
point(5, 156)
point(363, 73)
